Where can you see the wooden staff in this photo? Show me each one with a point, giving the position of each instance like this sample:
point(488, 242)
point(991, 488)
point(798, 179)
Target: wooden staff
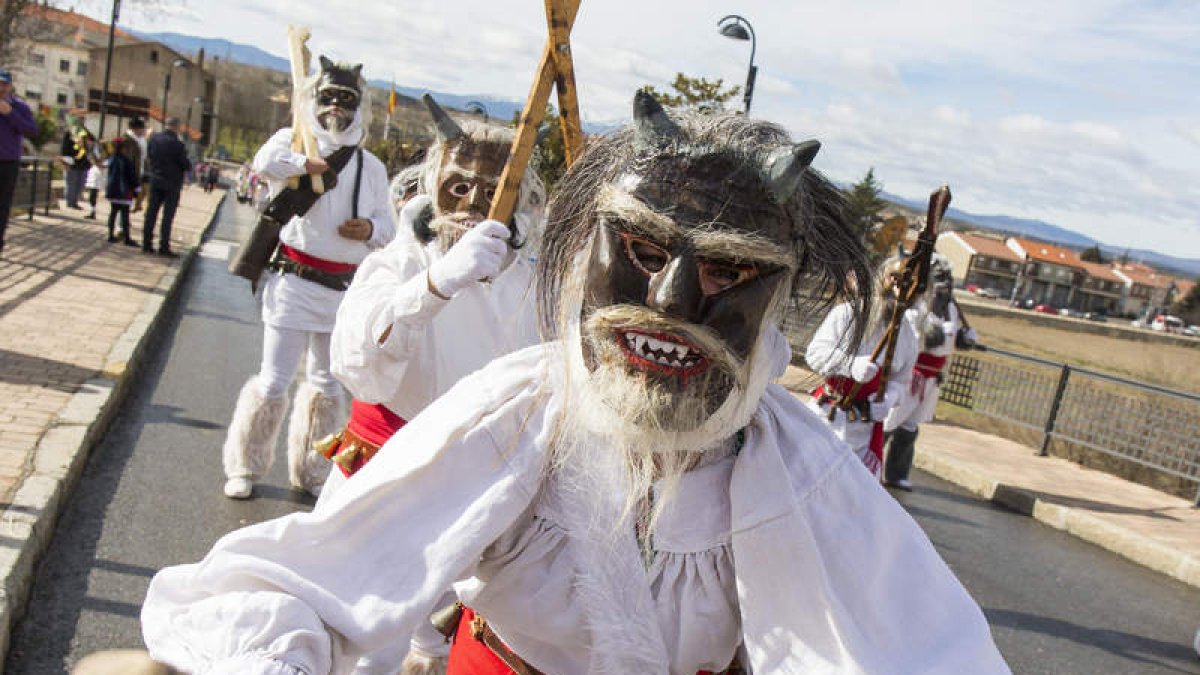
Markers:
point(554, 68)
point(303, 139)
point(914, 278)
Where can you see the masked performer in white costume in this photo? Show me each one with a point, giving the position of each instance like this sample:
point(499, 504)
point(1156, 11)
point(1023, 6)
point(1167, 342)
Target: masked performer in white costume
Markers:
point(851, 371)
point(938, 320)
point(451, 293)
point(317, 256)
point(632, 496)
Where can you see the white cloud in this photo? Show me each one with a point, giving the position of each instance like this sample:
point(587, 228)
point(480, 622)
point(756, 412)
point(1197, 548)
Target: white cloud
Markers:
point(1070, 111)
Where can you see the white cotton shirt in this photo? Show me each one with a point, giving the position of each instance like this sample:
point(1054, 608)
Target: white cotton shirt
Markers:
point(431, 342)
point(292, 302)
point(827, 355)
point(788, 548)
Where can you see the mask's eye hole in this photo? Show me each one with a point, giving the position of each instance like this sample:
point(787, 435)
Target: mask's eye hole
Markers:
point(460, 189)
point(717, 276)
point(490, 193)
point(646, 255)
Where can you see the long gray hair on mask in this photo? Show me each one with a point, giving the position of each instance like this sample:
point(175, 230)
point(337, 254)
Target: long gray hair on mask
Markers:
point(829, 254)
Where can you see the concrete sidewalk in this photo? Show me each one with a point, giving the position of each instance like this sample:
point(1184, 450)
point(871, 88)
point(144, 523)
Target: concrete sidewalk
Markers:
point(76, 313)
point(1149, 527)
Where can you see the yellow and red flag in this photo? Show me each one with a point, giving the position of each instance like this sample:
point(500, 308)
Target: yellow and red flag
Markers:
point(392, 100)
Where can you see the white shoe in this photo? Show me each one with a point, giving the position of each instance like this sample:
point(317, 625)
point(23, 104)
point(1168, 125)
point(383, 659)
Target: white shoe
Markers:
point(239, 488)
point(902, 484)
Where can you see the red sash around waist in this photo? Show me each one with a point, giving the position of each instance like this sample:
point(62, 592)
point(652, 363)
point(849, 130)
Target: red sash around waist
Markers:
point(929, 365)
point(373, 422)
point(315, 262)
point(470, 656)
point(838, 386)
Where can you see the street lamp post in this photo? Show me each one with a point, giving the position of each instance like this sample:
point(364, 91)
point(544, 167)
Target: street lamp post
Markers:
point(738, 28)
point(177, 63)
point(112, 27)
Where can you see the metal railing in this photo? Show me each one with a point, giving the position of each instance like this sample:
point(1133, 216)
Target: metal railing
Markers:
point(35, 186)
point(1141, 423)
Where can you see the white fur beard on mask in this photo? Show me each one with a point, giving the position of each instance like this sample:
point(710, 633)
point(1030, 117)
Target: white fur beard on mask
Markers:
point(447, 230)
point(628, 433)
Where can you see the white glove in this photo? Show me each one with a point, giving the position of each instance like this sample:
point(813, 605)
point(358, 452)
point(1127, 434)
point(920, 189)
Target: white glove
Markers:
point(479, 254)
point(949, 329)
point(863, 369)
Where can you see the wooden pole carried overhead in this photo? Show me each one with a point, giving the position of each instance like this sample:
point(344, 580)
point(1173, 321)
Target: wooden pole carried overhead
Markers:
point(555, 68)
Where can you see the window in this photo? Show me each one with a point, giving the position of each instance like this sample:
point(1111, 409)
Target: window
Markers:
point(62, 99)
point(153, 56)
point(81, 68)
point(64, 65)
point(37, 59)
point(33, 94)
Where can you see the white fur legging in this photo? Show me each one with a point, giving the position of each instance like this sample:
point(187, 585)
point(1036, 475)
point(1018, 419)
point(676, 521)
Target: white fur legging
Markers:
point(282, 349)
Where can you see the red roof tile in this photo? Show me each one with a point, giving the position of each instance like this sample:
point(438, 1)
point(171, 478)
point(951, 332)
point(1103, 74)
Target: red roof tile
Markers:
point(989, 246)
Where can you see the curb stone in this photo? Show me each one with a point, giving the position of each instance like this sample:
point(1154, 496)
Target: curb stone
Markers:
point(56, 462)
point(1120, 540)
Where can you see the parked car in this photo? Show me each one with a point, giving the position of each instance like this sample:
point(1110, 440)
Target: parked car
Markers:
point(1191, 331)
point(1073, 313)
point(1045, 309)
point(1167, 324)
point(987, 293)
point(1096, 316)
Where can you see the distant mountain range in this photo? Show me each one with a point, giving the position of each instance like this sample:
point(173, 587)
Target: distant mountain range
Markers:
point(1043, 231)
point(1034, 229)
point(250, 55)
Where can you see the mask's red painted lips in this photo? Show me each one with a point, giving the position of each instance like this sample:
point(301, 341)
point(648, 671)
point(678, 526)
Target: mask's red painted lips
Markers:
point(661, 352)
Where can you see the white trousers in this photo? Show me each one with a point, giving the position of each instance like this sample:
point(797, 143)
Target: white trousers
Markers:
point(282, 349)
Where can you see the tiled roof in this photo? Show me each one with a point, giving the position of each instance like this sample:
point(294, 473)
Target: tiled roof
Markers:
point(989, 246)
point(1049, 253)
point(72, 18)
point(1144, 275)
point(1100, 271)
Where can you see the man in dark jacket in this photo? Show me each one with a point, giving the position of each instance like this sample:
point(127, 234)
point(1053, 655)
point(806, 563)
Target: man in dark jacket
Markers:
point(168, 166)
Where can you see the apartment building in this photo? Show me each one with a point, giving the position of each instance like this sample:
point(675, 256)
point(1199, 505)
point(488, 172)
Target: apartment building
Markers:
point(981, 260)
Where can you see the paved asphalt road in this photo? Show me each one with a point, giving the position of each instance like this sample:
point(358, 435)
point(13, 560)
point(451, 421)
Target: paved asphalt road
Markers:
point(150, 496)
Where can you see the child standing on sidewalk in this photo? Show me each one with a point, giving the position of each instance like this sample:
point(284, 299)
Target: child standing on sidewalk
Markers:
point(122, 187)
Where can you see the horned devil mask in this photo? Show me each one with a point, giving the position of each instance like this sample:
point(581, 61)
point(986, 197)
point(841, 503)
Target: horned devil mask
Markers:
point(671, 245)
point(338, 95)
point(462, 173)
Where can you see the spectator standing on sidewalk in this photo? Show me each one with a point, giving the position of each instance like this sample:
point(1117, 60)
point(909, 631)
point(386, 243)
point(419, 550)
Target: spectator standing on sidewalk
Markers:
point(16, 123)
point(168, 165)
point(94, 179)
point(137, 132)
point(76, 157)
point(121, 187)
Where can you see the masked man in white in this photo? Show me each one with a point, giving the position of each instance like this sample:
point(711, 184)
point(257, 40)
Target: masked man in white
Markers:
point(632, 496)
point(318, 254)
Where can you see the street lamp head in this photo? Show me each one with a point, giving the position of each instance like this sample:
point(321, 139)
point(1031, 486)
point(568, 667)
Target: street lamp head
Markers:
point(734, 30)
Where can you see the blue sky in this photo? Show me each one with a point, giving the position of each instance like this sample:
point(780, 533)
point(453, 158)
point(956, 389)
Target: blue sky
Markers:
point(1082, 113)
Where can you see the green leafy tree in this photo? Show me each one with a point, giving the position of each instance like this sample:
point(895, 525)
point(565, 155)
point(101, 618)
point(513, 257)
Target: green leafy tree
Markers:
point(1188, 307)
point(549, 156)
point(47, 128)
point(1093, 254)
point(697, 93)
point(863, 204)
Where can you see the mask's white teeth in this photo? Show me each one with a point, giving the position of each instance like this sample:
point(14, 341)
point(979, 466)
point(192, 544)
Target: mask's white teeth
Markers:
point(677, 364)
point(655, 343)
point(640, 342)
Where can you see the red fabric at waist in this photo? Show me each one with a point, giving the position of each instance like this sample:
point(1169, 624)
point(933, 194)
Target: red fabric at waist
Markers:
point(469, 656)
point(929, 365)
point(315, 262)
point(373, 422)
point(836, 385)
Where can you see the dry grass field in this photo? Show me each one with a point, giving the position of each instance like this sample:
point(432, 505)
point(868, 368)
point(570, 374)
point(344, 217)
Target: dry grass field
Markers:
point(1165, 365)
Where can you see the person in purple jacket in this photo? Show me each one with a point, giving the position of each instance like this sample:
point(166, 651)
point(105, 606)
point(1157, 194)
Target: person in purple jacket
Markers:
point(16, 122)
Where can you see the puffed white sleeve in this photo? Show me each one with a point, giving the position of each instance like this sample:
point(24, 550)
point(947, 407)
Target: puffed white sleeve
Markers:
point(903, 359)
point(827, 352)
point(314, 592)
point(381, 321)
point(276, 160)
point(378, 207)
